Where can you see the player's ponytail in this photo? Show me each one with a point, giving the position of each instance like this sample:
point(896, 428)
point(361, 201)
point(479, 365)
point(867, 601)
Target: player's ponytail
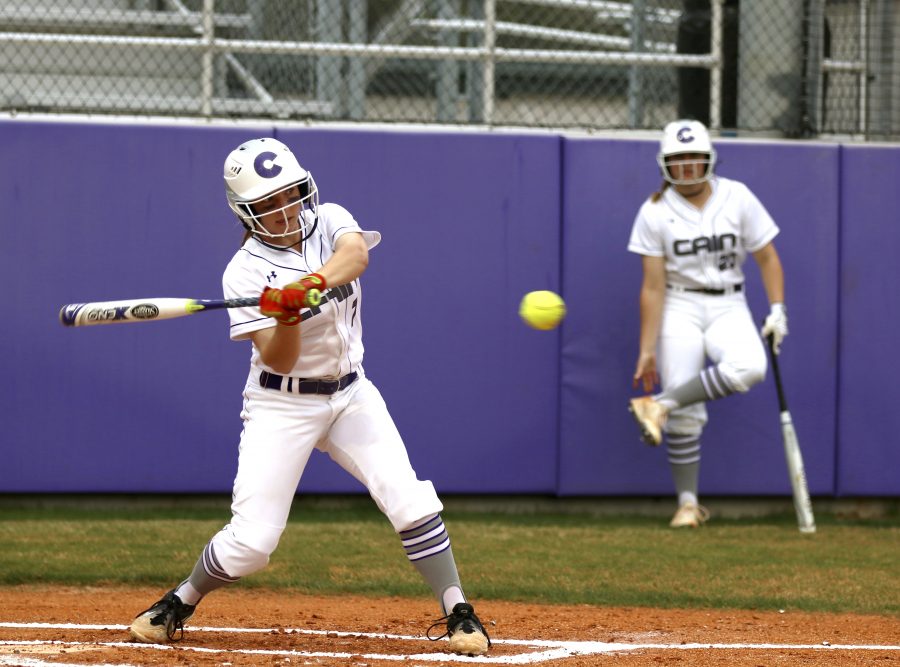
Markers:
point(656, 196)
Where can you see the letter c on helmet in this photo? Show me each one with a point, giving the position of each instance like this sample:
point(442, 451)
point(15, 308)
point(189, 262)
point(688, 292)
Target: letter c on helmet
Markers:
point(684, 135)
point(259, 165)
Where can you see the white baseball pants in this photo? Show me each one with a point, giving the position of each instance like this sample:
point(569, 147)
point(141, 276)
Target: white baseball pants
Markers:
point(698, 326)
point(281, 429)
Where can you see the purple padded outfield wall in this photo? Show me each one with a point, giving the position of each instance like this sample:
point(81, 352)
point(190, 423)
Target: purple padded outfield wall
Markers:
point(868, 418)
point(93, 213)
point(471, 221)
point(98, 212)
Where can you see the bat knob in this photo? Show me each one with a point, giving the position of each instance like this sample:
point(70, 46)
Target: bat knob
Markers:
point(313, 298)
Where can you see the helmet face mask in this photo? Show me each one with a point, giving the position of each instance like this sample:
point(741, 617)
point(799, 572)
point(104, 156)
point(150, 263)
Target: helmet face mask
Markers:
point(264, 181)
point(690, 140)
point(296, 201)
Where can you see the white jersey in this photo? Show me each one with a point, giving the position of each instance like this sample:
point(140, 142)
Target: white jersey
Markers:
point(703, 248)
point(331, 333)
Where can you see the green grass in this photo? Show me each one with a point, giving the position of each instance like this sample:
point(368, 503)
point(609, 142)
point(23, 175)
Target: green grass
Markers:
point(566, 558)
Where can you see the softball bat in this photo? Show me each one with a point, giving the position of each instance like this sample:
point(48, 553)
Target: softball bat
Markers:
point(802, 504)
point(146, 310)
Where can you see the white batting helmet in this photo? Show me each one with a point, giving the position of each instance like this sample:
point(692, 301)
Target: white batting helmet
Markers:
point(686, 136)
point(260, 168)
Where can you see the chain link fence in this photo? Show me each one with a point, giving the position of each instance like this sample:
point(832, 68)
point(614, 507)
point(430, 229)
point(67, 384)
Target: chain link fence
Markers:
point(794, 68)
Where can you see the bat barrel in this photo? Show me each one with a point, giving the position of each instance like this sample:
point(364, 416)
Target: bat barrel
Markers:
point(143, 310)
point(130, 310)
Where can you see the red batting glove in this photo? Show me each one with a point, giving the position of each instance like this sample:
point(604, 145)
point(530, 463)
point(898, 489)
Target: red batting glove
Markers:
point(293, 296)
point(314, 281)
point(271, 304)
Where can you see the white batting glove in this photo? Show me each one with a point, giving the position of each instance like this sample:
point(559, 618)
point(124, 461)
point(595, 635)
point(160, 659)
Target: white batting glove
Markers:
point(776, 326)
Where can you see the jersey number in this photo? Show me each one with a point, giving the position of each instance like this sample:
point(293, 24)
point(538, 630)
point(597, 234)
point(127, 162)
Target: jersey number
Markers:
point(727, 261)
point(353, 319)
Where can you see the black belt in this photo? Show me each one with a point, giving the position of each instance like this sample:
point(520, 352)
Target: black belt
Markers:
point(734, 289)
point(305, 386)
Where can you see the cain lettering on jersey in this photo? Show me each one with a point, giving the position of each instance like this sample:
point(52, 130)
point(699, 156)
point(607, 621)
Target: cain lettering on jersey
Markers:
point(712, 243)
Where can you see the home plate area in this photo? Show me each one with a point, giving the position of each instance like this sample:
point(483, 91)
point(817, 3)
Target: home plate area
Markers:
point(78, 627)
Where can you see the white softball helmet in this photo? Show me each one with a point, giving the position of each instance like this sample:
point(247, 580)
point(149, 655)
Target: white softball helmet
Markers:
point(260, 168)
point(686, 136)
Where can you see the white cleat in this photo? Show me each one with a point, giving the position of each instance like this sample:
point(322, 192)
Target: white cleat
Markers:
point(689, 515)
point(650, 417)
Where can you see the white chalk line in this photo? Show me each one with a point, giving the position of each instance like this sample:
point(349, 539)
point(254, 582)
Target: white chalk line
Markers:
point(19, 661)
point(552, 649)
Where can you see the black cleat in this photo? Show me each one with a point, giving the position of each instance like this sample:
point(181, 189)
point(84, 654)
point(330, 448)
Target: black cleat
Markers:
point(467, 634)
point(160, 623)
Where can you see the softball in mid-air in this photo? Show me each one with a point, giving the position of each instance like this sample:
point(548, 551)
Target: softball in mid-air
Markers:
point(542, 310)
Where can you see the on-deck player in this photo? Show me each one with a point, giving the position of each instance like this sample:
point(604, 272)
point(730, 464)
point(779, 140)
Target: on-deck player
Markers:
point(307, 389)
point(694, 236)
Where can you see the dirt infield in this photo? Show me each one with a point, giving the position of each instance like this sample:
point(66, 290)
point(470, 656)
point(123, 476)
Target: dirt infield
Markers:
point(86, 626)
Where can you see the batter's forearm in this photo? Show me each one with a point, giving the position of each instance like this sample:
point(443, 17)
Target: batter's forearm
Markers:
point(279, 347)
point(347, 264)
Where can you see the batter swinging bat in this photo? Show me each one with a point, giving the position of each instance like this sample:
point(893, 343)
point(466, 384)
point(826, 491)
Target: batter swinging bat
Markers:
point(144, 310)
point(805, 520)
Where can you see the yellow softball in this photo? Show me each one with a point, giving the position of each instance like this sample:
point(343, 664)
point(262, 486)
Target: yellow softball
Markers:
point(542, 310)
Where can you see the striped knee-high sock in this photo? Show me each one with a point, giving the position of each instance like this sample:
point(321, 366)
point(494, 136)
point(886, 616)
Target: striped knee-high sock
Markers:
point(715, 384)
point(684, 462)
point(427, 539)
point(206, 577)
point(427, 546)
point(709, 385)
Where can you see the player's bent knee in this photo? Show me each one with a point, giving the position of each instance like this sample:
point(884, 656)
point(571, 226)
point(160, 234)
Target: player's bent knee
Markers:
point(245, 548)
point(742, 378)
point(245, 560)
point(748, 378)
point(406, 505)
